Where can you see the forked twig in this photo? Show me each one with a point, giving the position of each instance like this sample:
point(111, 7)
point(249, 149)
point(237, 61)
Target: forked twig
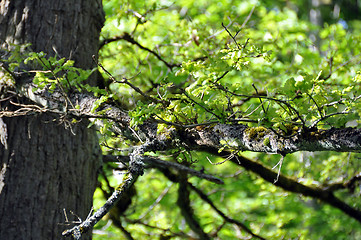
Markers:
point(279, 168)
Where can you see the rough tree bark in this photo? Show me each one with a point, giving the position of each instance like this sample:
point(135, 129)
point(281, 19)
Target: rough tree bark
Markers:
point(47, 167)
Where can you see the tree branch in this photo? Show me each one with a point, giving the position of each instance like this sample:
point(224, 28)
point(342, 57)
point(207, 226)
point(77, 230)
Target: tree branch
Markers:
point(350, 184)
point(127, 37)
point(292, 185)
point(171, 233)
point(205, 198)
point(88, 224)
point(183, 202)
point(237, 136)
point(210, 138)
point(260, 139)
point(136, 168)
point(158, 163)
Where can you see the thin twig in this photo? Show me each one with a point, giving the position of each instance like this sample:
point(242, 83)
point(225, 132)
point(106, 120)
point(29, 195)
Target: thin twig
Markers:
point(222, 76)
point(260, 99)
point(233, 37)
point(126, 81)
point(127, 37)
point(279, 168)
point(5, 67)
point(159, 198)
point(225, 160)
point(247, 18)
point(205, 198)
point(164, 230)
point(318, 107)
point(205, 108)
point(315, 123)
point(158, 163)
point(62, 90)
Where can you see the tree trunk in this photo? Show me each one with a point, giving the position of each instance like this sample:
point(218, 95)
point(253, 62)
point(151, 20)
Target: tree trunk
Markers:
point(48, 167)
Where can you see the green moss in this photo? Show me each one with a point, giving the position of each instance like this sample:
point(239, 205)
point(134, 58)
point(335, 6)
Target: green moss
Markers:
point(162, 129)
point(280, 146)
point(256, 133)
point(289, 129)
point(266, 142)
point(121, 185)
